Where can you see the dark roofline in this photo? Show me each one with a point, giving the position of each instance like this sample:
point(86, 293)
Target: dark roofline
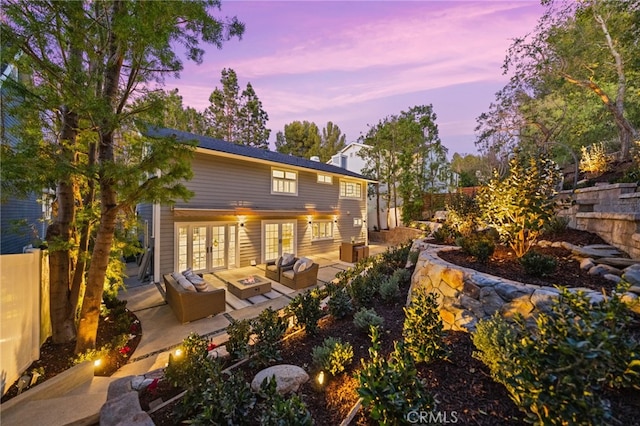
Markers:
point(219, 145)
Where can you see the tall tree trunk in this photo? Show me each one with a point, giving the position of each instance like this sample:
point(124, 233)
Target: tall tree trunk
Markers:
point(59, 236)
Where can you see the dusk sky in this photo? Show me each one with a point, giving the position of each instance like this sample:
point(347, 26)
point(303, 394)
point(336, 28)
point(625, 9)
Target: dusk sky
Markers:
point(356, 62)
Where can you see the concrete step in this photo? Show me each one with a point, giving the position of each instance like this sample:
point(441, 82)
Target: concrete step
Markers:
point(76, 410)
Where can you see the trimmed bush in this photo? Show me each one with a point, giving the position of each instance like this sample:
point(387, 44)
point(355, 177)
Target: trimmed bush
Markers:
point(537, 264)
point(365, 318)
point(479, 246)
point(332, 356)
point(422, 329)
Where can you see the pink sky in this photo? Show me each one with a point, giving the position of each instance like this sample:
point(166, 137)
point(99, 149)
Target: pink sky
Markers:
point(356, 62)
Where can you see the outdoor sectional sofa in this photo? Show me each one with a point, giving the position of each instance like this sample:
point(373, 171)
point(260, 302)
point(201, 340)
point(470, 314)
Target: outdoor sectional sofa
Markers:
point(190, 306)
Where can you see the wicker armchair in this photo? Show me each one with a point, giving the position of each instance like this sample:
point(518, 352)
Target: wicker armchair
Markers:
point(273, 269)
point(298, 280)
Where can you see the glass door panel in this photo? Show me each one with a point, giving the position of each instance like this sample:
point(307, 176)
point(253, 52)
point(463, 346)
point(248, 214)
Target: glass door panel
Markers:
point(183, 248)
point(218, 246)
point(271, 241)
point(199, 248)
point(231, 255)
point(288, 242)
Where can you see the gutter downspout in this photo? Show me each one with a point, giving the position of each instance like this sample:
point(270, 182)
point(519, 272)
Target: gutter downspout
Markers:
point(156, 238)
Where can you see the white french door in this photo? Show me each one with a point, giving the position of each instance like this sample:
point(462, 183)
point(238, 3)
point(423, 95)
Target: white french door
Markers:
point(278, 237)
point(205, 247)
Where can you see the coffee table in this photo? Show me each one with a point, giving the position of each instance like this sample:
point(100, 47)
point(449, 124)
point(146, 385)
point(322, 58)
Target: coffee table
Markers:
point(243, 289)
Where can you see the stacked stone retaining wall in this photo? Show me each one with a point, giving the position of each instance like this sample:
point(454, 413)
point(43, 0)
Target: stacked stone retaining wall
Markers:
point(466, 296)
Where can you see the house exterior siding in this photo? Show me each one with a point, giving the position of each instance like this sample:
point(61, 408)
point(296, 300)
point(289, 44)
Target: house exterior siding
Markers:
point(236, 192)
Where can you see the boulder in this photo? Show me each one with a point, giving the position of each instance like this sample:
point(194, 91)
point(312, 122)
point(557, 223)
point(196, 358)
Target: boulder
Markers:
point(124, 410)
point(288, 378)
point(587, 263)
point(618, 262)
point(632, 276)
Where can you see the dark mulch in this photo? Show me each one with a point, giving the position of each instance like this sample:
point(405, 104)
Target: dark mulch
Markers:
point(56, 358)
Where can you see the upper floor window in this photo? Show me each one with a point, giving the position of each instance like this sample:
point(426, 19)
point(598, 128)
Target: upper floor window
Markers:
point(349, 189)
point(284, 182)
point(322, 230)
point(325, 178)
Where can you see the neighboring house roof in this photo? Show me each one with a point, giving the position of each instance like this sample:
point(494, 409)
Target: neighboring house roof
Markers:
point(353, 145)
point(225, 147)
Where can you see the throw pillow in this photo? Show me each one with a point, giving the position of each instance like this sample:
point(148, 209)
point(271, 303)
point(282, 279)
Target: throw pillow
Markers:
point(186, 284)
point(195, 279)
point(296, 265)
point(201, 287)
point(302, 267)
point(279, 262)
point(287, 259)
point(176, 275)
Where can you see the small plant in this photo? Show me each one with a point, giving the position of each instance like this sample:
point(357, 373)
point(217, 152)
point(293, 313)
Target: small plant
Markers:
point(537, 264)
point(403, 276)
point(340, 303)
point(556, 372)
point(278, 410)
point(388, 387)
point(306, 309)
point(422, 328)
point(594, 159)
point(389, 289)
point(239, 332)
point(365, 318)
point(332, 356)
point(555, 225)
point(192, 366)
point(412, 259)
point(478, 246)
point(268, 328)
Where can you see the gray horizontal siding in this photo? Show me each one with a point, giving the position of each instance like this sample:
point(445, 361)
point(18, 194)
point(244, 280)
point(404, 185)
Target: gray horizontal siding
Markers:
point(20, 224)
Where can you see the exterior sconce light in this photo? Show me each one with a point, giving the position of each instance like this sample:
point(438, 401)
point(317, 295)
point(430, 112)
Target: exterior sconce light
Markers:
point(241, 220)
point(309, 220)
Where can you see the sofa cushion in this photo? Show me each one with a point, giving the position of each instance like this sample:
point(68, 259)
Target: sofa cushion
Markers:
point(289, 273)
point(195, 279)
point(176, 275)
point(273, 268)
point(186, 284)
point(201, 287)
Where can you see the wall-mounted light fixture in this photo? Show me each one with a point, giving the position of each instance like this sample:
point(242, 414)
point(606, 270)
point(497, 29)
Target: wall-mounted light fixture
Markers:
point(309, 220)
point(241, 220)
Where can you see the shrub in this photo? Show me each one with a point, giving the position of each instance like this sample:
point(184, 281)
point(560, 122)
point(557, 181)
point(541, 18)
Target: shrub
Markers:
point(422, 328)
point(389, 387)
point(268, 328)
point(478, 246)
point(412, 259)
point(224, 401)
point(278, 410)
point(555, 225)
point(403, 276)
point(340, 303)
point(239, 332)
point(556, 371)
point(365, 318)
point(306, 309)
point(594, 159)
point(444, 234)
point(396, 257)
point(537, 264)
point(193, 367)
point(390, 289)
point(521, 203)
point(463, 214)
point(332, 356)
point(363, 289)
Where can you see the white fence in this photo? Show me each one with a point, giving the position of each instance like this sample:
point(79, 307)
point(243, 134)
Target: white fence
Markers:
point(24, 312)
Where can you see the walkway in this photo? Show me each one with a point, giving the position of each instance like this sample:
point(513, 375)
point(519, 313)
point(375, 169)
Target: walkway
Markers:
point(161, 334)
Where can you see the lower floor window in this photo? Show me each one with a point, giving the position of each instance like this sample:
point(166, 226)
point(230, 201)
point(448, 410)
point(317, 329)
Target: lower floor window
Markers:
point(322, 230)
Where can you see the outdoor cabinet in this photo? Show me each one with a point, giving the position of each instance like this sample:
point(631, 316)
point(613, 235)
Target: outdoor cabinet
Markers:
point(353, 252)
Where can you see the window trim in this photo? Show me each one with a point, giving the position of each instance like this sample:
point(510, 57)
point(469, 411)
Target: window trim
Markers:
point(323, 222)
point(358, 222)
point(285, 171)
point(352, 182)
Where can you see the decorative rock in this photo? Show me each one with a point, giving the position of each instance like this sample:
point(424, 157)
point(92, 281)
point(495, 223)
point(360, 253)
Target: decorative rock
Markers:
point(446, 290)
point(544, 243)
point(595, 297)
point(587, 263)
point(632, 276)
point(619, 262)
point(124, 410)
point(520, 306)
point(595, 251)
point(634, 288)
point(472, 304)
point(471, 290)
point(137, 382)
point(613, 278)
point(598, 270)
point(491, 302)
point(484, 280)
point(557, 244)
point(543, 298)
point(120, 386)
point(288, 378)
point(612, 270)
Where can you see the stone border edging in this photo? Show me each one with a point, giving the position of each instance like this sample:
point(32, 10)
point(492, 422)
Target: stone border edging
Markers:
point(467, 296)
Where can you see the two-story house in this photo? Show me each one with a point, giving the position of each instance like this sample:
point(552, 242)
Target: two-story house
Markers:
point(250, 205)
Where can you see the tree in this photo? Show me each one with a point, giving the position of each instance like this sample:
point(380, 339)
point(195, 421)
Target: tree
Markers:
point(88, 60)
point(586, 46)
point(518, 205)
point(300, 138)
point(165, 109)
point(235, 117)
point(331, 142)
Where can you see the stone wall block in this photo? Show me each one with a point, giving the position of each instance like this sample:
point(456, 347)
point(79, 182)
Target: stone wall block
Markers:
point(484, 280)
point(509, 292)
point(542, 299)
point(471, 290)
point(491, 302)
point(522, 306)
point(466, 321)
point(446, 289)
point(472, 305)
point(454, 278)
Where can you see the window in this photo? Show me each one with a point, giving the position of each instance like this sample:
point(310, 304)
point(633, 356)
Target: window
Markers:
point(322, 230)
point(350, 189)
point(284, 182)
point(357, 221)
point(325, 179)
